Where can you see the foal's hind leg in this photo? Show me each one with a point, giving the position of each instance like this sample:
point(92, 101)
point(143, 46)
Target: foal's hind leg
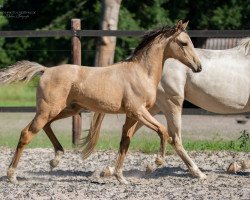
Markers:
point(57, 146)
point(46, 113)
point(26, 136)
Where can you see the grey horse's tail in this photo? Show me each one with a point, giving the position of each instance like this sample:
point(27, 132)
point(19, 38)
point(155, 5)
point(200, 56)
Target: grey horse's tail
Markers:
point(91, 140)
point(20, 71)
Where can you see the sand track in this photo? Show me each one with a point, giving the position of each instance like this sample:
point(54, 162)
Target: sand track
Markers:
point(78, 179)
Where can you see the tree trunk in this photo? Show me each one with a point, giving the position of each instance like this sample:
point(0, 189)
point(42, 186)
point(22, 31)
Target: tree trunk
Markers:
point(106, 45)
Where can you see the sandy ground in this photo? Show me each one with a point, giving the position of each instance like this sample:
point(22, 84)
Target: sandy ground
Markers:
point(78, 179)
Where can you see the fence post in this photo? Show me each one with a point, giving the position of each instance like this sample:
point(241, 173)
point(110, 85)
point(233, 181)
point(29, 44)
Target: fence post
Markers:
point(76, 59)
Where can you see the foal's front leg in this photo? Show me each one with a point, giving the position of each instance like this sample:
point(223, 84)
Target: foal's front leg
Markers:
point(127, 133)
point(148, 120)
point(143, 116)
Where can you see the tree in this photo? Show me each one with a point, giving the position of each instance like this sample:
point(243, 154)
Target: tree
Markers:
point(106, 46)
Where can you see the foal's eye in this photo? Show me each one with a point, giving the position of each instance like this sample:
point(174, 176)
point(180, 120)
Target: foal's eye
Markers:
point(184, 44)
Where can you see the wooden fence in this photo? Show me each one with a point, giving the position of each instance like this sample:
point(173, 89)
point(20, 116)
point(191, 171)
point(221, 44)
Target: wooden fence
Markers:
point(75, 33)
point(118, 33)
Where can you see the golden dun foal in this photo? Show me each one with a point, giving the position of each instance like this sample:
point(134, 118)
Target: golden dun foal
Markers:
point(126, 87)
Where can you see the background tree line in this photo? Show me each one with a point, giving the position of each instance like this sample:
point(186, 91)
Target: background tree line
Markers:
point(134, 15)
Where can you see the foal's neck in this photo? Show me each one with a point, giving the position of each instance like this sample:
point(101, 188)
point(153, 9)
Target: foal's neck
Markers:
point(152, 60)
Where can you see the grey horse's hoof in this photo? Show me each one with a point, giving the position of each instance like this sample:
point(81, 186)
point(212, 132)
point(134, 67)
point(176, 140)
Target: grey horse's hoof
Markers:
point(198, 174)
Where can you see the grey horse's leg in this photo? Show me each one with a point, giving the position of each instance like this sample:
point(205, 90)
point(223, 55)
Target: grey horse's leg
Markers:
point(172, 109)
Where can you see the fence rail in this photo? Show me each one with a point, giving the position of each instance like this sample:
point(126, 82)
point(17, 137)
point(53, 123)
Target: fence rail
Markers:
point(118, 33)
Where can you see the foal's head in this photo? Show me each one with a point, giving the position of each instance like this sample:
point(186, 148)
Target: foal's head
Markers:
point(180, 47)
point(174, 41)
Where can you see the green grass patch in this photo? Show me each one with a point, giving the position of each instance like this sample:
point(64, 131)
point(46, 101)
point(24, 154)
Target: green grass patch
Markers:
point(215, 145)
point(144, 142)
point(39, 141)
point(18, 94)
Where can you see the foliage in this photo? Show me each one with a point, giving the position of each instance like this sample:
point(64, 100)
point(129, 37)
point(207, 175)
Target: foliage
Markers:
point(244, 139)
point(134, 15)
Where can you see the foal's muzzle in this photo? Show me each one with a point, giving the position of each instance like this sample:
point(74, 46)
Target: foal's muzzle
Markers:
point(198, 69)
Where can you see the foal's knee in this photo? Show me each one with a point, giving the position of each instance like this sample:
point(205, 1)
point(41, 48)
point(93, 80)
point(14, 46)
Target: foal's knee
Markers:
point(177, 143)
point(24, 138)
point(163, 134)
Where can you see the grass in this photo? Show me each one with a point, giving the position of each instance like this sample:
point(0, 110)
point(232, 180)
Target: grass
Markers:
point(20, 94)
point(141, 142)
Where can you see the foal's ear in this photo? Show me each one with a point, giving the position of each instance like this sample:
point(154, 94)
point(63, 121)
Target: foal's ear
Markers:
point(178, 25)
point(184, 25)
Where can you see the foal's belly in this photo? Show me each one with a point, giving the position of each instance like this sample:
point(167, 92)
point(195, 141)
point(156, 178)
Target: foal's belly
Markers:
point(100, 105)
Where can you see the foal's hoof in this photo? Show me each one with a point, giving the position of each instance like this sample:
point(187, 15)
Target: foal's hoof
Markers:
point(108, 171)
point(13, 180)
point(122, 180)
point(159, 161)
point(53, 163)
point(170, 140)
point(149, 169)
point(233, 168)
point(245, 164)
point(11, 174)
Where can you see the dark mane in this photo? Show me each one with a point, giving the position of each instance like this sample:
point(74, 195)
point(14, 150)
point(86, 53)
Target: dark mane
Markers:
point(149, 37)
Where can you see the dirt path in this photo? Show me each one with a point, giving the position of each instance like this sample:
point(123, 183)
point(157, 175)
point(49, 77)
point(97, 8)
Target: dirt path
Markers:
point(78, 179)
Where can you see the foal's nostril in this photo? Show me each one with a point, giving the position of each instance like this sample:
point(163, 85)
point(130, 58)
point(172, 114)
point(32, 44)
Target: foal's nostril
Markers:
point(199, 69)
